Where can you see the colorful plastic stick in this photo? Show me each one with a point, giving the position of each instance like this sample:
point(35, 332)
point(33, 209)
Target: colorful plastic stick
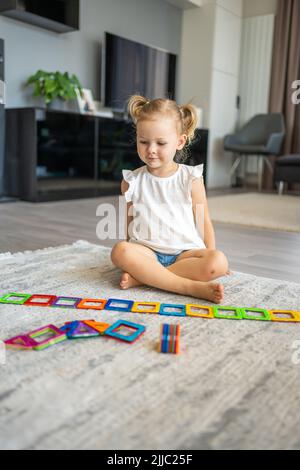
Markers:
point(84, 304)
point(123, 305)
point(169, 338)
point(49, 299)
point(180, 307)
point(113, 332)
point(58, 300)
point(7, 298)
point(56, 336)
point(255, 314)
point(236, 316)
point(150, 307)
point(196, 310)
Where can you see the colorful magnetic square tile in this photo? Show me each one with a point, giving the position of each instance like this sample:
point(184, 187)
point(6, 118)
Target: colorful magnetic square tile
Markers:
point(70, 302)
point(122, 305)
point(255, 314)
point(113, 331)
point(284, 315)
point(145, 307)
point(8, 298)
point(86, 304)
point(164, 310)
point(203, 311)
point(56, 336)
point(46, 302)
point(218, 313)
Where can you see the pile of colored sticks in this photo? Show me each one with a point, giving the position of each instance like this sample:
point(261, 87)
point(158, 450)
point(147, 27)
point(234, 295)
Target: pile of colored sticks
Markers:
point(169, 338)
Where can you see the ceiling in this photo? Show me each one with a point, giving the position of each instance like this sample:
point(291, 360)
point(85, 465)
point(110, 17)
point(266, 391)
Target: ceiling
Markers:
point(185, 4)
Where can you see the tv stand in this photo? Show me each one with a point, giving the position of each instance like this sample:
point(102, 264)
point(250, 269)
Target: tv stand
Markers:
point(55, 155)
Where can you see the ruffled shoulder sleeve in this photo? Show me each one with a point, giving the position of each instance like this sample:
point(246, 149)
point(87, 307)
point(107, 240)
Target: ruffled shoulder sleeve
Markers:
point(130, 177)
point(195, 171)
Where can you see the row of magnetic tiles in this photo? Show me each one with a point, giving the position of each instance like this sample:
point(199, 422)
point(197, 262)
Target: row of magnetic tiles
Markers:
point(179, 310)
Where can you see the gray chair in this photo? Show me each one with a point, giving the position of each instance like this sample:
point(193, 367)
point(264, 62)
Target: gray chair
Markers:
point(287, 170)
point(262, 136)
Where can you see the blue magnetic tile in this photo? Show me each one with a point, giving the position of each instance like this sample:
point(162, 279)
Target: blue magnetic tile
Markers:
point(111, 331)
point(182, 313)
point(126, 308)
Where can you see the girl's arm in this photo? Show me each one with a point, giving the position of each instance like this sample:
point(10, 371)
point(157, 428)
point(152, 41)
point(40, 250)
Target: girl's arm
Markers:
point(128, 218)
point(201, 214)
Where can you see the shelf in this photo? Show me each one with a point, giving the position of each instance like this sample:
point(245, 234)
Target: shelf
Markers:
point(37, 14)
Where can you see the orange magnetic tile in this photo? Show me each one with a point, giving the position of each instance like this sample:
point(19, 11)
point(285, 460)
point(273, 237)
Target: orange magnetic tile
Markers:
point(99, 326)
point(83, 304)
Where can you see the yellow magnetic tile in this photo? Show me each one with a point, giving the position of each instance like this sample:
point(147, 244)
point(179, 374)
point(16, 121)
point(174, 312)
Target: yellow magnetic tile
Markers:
point(293, 315)
point(155, 307)
point(209, 311)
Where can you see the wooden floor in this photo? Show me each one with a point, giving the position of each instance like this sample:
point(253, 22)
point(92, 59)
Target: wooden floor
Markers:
point(31, 226)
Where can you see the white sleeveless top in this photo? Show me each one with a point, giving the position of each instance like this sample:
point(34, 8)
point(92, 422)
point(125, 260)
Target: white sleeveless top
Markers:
point(162, 209)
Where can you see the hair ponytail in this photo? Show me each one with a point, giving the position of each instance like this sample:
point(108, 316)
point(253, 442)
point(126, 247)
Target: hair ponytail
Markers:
point(135, 105)
point(189, 120)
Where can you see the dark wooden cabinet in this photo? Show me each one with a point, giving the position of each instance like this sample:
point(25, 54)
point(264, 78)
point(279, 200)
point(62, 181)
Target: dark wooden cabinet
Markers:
point(54, 155)
point(60, 16)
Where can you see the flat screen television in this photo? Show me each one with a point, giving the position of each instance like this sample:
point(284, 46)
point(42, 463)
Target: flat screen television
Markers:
point(129, 67)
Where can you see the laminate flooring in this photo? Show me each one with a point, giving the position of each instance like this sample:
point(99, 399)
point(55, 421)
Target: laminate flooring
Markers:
point(32, 226)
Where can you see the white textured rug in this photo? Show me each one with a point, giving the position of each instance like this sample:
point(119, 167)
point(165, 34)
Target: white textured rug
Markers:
point(234, 385)
point(257, 210)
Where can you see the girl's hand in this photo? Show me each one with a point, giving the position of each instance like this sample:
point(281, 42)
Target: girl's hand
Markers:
point(228, 273)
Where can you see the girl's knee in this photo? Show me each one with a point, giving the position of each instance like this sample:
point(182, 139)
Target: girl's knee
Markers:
point(118, 251)
point(217, 264)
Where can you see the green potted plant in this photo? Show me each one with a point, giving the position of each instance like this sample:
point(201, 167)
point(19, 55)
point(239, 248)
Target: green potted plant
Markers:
point(52, 85)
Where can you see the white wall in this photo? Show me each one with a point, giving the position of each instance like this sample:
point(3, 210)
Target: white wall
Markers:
point(196, 57)
point(29, 48)
point(209, 73)
point(225, 74)
point(259, 7)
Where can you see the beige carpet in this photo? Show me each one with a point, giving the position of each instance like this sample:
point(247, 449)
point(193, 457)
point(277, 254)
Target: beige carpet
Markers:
point(233, 387)
point(257, 210)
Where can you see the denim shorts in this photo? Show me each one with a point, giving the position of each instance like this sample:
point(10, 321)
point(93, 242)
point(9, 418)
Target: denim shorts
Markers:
point(166, 260)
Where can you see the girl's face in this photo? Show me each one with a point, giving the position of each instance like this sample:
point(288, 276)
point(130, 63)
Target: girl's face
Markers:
point(157, 142)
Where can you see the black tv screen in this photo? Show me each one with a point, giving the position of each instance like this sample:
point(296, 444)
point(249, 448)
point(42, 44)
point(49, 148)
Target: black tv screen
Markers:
point(129, 67)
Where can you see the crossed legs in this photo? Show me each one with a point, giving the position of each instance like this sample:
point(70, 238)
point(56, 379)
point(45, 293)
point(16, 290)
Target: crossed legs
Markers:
point(189, 275)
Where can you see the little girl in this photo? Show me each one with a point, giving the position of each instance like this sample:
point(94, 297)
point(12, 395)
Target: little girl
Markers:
point(170, 238)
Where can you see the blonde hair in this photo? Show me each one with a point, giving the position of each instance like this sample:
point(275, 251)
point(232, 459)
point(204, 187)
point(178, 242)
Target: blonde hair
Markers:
point(140, 108)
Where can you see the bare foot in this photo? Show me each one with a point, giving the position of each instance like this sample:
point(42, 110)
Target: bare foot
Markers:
point(207, 290)
point(128, 281)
